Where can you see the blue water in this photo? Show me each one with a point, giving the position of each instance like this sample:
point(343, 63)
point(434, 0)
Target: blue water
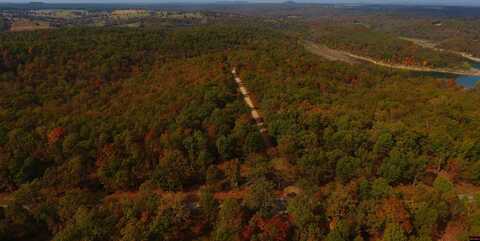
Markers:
point(469, 81)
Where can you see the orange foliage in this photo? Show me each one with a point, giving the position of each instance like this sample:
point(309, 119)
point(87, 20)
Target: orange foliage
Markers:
point(97, 83)
point(333, 223)
point(409, 61)
point(454, 169)
point(199, 227)
point(394, 209)
point(212, 131)
point(55, 134)
point(276, 228)
point(451, 83)
point(105, 154)
point(149, 135)
point(248, 232)
point(144, 217)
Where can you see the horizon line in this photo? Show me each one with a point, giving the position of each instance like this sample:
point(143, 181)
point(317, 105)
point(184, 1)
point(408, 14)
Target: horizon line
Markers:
point(327, 2)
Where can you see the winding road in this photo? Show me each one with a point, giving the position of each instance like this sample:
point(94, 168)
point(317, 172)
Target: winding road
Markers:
point(340, 55)
point(431, 45)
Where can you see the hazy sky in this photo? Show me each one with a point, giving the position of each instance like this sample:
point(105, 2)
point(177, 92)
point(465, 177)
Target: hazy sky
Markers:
point(410, 2)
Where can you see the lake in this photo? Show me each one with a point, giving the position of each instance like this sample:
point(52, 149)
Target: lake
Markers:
point(469, 81)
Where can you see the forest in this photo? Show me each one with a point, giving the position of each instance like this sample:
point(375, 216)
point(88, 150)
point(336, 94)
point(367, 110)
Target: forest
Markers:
point(141, 134)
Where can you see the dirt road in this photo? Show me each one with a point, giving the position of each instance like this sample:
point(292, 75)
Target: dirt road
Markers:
point(431, 45)
point(340, 55)
point(253, 109)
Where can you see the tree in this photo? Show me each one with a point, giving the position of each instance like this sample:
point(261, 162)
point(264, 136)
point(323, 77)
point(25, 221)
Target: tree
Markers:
point(429, 215)
point(395, 167)
point(393, 232)
point(341, 232)
point(208, 204)
point(55, 134)
point(384, 144)
point(225, 147)
point(253, 142)
point(472, 151)
point(441, 145)
point(133, 231)
point(347, 167)
point(443, 184)
point(380, 188)
point(303, 209)
point(261, 197)
point(276, 228)
point(475, 172)
point(232, 172)
point(173, 171)
point(87, 225)
point(213, 175)
point(229, 221)
point(23, 166)
point(170, 224)
point(17, 223)
point(74, 200)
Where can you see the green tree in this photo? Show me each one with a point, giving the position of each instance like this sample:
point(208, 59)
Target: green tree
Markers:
point(208, 204)
point(395, 167)
point(393, 232)
point(443, 184)
point(229, 221)
point(213, 175)
point(347, 167)
point(380, 188)
point(133, 231)
point(225, 147)
point(173, 171)
point(253, 142)
point(384, 144)
point(341, 232)
point(475, 172)
point(232, 172)
point(87, 225)
point(261, 196)
point(303, 209)
point(170, 224)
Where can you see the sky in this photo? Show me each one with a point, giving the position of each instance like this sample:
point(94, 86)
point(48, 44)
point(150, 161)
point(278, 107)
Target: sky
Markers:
point(409, 2)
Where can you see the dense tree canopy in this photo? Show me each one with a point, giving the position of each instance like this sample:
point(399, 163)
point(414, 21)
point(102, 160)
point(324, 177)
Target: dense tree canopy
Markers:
point(141, 134)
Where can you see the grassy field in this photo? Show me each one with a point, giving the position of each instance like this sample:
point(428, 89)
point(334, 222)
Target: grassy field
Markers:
point(20, 25)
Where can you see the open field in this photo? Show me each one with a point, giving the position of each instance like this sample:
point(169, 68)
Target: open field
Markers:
point(328, 53)
point(20, 25)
